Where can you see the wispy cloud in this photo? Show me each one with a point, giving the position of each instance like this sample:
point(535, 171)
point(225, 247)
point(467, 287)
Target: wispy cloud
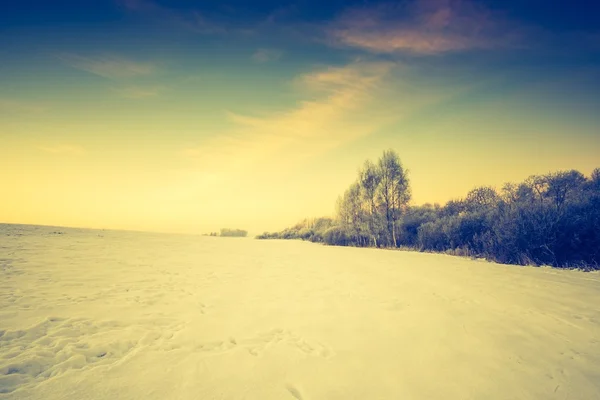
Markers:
point(338, 106)
point(137, 92)
point(266, 55)
point(337, 113)
point(422, 27)
point(109, 66)
point(63, 149)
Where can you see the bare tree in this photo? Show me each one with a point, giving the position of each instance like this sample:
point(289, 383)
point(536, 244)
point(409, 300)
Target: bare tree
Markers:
point(351, 213)
point(562, 184)
point(370, 178)
point(481, 198)
point(394, 190)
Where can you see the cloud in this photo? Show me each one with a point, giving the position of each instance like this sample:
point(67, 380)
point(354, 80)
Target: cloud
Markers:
point(65, 149)
point(137, 92)
point(423, 27)
point(338, 112)
point(337, 106)
point(266, 55)
point(108, 66)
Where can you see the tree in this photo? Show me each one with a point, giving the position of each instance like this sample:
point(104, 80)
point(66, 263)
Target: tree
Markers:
point(595, 179)
point(481, 198)
point(535, 186)
point(548, 219)
point(562, 185)
point(394, 190)
point(233, 232)
point(452, 207)
point(412, 220)
point(370, 178)
point(509, 193)
point(352, 215)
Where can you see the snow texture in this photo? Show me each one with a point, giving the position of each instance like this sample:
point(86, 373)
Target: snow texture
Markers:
point(92, 314)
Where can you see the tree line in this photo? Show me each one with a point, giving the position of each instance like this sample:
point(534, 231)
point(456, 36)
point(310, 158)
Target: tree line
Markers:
point(551, 219)
point(225, 232)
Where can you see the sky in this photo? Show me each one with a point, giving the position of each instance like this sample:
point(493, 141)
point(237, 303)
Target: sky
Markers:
point(183, 116)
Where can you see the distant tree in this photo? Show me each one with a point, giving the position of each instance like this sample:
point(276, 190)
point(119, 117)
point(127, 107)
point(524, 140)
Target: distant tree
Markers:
point(233, 232)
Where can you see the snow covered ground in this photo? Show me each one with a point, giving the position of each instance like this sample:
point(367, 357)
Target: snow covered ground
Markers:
point(88, 314)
